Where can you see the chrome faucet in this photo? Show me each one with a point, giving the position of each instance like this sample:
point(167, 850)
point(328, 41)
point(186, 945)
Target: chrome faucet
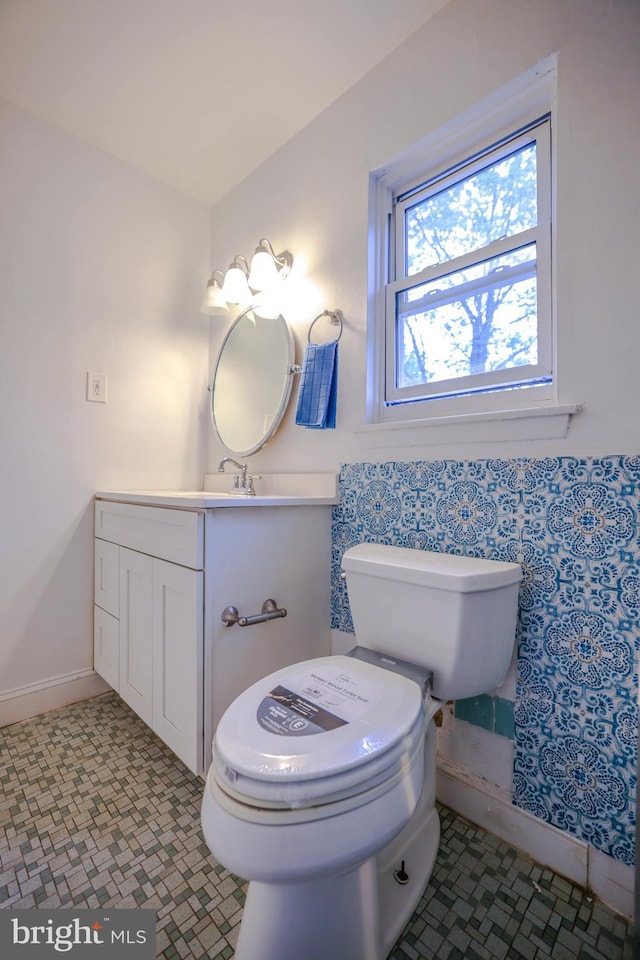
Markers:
point(241, 481)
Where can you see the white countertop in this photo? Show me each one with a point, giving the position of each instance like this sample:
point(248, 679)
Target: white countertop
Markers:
point(202, 499)
point(272, 490)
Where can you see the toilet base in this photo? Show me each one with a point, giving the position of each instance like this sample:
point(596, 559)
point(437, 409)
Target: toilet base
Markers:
point(323, 919)
point(358, 914)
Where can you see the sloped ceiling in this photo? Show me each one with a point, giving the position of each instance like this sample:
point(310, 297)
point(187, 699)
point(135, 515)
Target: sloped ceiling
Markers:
point(196, 93)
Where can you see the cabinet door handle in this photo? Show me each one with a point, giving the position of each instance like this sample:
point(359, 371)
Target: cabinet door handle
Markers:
point(270, 611)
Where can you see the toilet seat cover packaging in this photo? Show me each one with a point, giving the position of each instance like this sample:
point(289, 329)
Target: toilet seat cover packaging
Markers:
point(317, 718)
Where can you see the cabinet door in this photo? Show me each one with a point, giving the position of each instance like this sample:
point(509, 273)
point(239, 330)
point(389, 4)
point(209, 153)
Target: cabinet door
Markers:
point(106, 646)
point(177, 660)
point(136, 637)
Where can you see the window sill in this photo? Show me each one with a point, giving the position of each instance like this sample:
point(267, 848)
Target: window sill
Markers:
point(544, 422)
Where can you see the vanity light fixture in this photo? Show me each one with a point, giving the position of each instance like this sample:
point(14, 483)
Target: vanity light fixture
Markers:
point(213, 302)
point(240, 281)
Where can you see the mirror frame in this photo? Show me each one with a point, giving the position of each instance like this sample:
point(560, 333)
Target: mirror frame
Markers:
point(285, 393)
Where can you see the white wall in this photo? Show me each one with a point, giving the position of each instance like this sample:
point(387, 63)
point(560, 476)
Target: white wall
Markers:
point(101, 269)
point(312, 198)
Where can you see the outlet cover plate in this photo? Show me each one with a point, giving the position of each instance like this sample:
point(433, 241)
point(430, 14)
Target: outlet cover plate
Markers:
point(96, 387)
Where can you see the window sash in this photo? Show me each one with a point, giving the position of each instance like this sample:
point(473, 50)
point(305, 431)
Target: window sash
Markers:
point(537, 130)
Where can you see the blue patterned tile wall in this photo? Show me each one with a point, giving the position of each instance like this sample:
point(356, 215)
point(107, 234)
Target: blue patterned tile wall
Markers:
point(573, 525)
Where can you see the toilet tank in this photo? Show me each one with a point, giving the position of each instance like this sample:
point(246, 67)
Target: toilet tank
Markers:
point(454, 615)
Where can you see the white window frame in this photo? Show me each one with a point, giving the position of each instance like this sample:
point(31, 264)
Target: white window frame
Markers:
point(517, 110)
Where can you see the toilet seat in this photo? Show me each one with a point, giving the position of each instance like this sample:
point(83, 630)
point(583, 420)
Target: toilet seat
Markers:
point(318, 732)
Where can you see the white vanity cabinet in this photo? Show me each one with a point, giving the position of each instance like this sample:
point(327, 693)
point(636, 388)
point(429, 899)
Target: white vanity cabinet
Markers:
point(148, 614)
point(163, 577)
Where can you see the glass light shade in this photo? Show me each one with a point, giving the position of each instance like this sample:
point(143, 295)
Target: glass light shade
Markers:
point(264, 272)
point(235, 288)
point(213, 302)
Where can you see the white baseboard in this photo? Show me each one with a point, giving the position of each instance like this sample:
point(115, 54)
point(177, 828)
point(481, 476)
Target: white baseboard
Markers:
point(22, 703)
point(491, 808)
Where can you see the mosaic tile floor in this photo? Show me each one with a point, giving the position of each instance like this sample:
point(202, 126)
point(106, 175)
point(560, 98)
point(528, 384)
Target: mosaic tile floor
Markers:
point(96, 812)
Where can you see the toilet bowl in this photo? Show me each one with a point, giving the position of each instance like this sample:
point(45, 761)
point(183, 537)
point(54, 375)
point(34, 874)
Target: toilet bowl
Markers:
point(321, 790)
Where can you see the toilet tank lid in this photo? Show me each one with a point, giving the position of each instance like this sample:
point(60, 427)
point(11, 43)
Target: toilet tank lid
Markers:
point(444, 571)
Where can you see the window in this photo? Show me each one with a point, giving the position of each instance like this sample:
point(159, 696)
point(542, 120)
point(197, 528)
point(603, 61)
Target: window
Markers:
point(464, 279)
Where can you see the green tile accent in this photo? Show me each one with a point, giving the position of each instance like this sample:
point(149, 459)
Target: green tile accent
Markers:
point(503, 718)
point(491, 713)
point(476, 710)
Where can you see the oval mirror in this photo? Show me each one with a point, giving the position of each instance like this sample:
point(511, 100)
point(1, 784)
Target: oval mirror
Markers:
point(252, 381)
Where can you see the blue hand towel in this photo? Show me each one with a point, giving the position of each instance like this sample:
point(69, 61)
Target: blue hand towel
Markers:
point(318, 392)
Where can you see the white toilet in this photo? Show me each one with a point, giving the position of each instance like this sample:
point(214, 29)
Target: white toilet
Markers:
point(322, 788)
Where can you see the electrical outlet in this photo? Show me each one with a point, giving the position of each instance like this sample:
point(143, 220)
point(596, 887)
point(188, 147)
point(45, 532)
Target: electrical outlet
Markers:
point(97, 387)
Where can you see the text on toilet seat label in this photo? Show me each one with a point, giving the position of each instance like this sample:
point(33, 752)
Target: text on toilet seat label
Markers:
point(316, 701)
